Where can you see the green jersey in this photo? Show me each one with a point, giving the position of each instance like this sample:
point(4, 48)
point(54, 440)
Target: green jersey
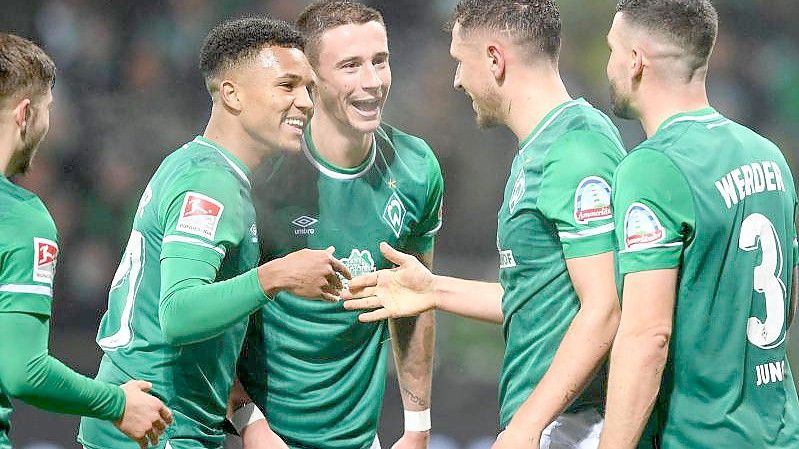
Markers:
point(556, 207)
point(717, 201)
point(197, 206)
point(316, 372)
point(28, 254)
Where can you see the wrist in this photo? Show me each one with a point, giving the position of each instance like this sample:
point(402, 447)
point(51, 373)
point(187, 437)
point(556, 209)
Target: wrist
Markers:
point(246, 415)
point(417, 421)
point(268, 278)
point(438, 290)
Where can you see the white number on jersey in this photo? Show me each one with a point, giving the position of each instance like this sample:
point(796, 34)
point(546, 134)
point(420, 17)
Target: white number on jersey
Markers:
point(127, 280)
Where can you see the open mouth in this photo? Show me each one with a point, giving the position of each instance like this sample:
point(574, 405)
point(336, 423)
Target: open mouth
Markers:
point(367, 108)
point(297, 123)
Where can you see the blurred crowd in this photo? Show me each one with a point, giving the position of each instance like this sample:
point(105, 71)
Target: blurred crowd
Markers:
point(129, 91)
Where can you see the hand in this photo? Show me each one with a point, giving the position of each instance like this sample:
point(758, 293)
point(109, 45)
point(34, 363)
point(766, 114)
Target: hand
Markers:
point(145, 416)
point(259, 435)
point(511, 438)
point(403, 291)
point(412, 440)
point(309, 273)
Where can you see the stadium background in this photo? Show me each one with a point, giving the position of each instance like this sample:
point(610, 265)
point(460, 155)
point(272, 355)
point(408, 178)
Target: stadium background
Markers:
point(128, 91)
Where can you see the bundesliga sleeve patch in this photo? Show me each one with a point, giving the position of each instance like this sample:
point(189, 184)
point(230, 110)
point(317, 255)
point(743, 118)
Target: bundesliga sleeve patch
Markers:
point(592, 200)
point(44, 260)
point(200, 215)
point(641, 227)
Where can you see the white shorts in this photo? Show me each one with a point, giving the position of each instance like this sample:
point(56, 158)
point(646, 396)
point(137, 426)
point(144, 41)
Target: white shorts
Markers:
point(573, 431)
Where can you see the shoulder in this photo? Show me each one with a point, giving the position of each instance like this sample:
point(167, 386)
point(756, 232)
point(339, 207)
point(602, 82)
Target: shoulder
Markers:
point(24, 213)
point(412, 151)
point(194, 164)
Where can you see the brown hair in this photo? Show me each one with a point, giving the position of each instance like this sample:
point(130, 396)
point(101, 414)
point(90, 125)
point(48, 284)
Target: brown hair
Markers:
point(25, 69)
point(323, 15)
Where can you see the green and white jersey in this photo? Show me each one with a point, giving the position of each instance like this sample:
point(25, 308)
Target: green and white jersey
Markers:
point(716, 200)
point(556, 207)
point(197, 206)
point(316, 372)
point(28, 254)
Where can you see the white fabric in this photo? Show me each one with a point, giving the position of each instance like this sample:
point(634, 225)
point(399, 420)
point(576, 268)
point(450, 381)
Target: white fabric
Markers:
point(417, 421)
point(375, 443)
point(573, 431)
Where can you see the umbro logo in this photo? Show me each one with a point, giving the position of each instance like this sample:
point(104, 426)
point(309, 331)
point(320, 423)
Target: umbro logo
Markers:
point(304, 224)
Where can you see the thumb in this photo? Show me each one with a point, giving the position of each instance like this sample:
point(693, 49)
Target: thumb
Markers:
point(330, 250)
point(143, 385)
point(396, 257)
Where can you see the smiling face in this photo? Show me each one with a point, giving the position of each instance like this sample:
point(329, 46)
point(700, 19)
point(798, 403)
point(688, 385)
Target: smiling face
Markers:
point(275, 102)
point(474, 77)
point(353, 74)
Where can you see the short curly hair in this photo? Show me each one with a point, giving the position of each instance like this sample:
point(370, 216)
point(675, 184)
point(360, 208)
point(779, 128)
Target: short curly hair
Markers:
point(235, 41)
point(25, 69)
point(534, 24)
point(323, 15)
point(691, 24)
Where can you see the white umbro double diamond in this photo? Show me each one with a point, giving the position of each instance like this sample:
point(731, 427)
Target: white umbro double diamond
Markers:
point(394, 214)
point(304, 221)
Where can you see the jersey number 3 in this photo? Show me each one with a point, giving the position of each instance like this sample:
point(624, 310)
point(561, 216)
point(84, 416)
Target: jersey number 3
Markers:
point(758, 231)
point(126, 284)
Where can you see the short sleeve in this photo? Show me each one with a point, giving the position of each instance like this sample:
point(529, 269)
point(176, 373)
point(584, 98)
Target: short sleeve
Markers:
point(575, 191)
point(654, 212)
point(202, 215)
point(431, 220)
point(28, 257)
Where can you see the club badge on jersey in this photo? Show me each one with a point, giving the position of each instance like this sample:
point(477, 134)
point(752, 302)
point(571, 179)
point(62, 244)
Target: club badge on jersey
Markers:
point(44, 260)
point(592, 200)
point(394, 213)
point(200, 215)
point(641, 226)
point(359, 262)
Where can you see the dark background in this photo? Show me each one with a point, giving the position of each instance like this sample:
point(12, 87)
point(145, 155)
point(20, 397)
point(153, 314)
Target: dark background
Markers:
point(128, 92)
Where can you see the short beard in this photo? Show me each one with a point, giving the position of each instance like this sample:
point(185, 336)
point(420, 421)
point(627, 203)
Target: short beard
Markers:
point(621, 104)
point(488, 111)
point(21, 162)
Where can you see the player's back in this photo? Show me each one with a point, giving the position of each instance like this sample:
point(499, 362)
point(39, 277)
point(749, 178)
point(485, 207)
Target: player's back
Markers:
point(178, 216)
point(727, 383)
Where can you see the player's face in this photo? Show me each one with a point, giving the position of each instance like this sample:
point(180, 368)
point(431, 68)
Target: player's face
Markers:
point(37, 123)
point(353, 74)
point(474, 77)
point(621, 97)
point(275, 102)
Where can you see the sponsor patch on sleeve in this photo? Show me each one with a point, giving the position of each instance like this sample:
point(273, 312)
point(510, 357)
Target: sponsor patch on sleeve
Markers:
point(592, 200)
point(44, 260)
point(641, 226)
point(200, 215)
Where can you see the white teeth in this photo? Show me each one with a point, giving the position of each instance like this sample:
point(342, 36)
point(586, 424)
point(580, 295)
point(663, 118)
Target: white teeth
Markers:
point(295, 122)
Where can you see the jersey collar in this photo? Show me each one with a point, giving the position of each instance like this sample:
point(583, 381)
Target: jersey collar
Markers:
point(331, 170)
point(548, 119)
point(707, 114)
point(239, 167)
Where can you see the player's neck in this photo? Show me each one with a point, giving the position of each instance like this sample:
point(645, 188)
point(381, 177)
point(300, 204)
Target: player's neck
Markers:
point(235, 141)
point(339, 144)
point(666, 100)
point(531, 97)
point(6, 154)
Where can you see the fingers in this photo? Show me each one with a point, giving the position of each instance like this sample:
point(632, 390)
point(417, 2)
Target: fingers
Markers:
point(160, 426)
point(142, 385)
point(397, 257)
point(363, 281)
point(329, 297)
point(334, 282)
point(142, 443)
point(339, 267)
point(166, 415)
point(375, 315)
point(365, 303)
point(153, 437)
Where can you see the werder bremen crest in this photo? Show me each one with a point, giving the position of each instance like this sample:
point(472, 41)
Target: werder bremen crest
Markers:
point(359, 262)
point(394, 214)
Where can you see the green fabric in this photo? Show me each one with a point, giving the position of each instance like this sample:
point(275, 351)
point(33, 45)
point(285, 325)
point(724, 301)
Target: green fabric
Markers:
point(30, 374)
point(556, 206)
point(197, 208)
point(719, 203)
point(316, 372)
point(190, 310)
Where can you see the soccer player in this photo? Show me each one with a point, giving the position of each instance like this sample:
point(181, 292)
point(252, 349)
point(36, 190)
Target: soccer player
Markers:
point(28, 255)
point(180, 300)
point(705, 222)
point(556, 298)
point(316, 372)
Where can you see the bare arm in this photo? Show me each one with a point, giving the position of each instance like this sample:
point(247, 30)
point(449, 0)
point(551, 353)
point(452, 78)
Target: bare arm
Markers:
point(582, 350)
point(639, 355)
point(471, 299)
point(257, 435)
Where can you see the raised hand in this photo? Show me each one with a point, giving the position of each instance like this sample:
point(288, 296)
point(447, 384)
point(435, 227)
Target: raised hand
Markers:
point(400, 292)
point(308, 273)
point(145, 416)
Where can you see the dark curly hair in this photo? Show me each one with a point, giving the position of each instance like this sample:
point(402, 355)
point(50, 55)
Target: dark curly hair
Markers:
point(234, 41)
point(25, 69)
point(323, 15)
point(535, 24)
point(692, 24)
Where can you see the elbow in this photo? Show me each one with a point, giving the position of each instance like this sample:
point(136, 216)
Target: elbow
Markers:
point(171, 332)
point(17, 385)
point(650, 346)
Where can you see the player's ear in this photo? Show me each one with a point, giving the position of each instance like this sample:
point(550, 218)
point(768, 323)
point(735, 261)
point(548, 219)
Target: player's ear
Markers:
point(22, 114)
point(636, 65)
point(496, 61)
point(229, 94)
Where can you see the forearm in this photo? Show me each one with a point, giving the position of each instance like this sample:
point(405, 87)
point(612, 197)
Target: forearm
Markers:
point(31, 375)
point(413, 342)
point(636, 369)
point(193, 309)
point(582, 350)
point(471, 299)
